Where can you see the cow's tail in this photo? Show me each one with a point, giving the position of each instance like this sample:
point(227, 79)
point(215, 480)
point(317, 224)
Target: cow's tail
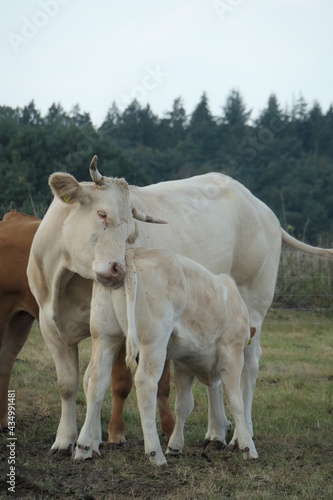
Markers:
point(303, 247)
point(132, 343)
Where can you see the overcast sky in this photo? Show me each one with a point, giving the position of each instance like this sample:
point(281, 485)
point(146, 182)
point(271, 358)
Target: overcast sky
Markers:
point(96, 52)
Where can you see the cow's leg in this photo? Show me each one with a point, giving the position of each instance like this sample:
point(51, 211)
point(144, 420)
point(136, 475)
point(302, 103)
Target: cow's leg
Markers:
point(252, 354)
point(258, 300)
point(218, 424)
point(121, 384)
point(105, 349)
point(13, 335)
point(183, 408)
point(67, 367)
point(163, 402)
point(149, 371)
point(232, 362)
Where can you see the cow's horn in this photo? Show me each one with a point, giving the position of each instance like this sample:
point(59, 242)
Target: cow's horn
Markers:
point(137, 214)
point(94, 173)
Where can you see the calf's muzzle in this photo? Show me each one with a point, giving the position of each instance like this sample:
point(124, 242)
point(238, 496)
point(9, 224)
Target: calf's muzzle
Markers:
point(112, 276)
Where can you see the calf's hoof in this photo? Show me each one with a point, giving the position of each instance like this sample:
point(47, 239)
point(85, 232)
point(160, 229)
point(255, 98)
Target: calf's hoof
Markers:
point(157, 458)
point(249, 454)
point(84, 453)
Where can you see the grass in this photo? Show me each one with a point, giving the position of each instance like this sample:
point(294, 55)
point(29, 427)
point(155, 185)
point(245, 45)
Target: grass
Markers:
point(304, 281)
point(293, 421)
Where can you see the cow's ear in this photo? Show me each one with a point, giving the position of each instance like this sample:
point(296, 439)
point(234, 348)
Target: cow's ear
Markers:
point(65, 187)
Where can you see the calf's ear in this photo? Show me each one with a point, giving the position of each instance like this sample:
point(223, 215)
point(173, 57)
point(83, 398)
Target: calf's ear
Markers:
point(65, 187)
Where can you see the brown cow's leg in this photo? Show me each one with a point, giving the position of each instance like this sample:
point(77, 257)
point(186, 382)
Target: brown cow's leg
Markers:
point(121, 384)
point(5, 372)
point(166, 417)
point(13, 335)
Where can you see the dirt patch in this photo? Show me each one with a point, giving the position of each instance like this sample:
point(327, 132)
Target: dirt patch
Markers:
point(120, 472)
point(124, 472)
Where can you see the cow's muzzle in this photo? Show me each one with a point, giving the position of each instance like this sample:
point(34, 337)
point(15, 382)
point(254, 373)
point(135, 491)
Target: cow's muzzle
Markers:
point(112, 277)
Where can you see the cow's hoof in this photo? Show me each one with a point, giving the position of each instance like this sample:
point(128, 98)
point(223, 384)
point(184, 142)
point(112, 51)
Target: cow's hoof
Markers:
point(4, 430)
point(117, 439)
point(173, 451)
point(116, 446)
point(62, 452)
point(214, 445)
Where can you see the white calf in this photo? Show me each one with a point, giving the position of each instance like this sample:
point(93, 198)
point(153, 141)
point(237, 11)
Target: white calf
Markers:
point(169, 307)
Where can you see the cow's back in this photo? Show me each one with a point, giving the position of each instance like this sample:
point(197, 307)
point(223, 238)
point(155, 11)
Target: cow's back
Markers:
point(213, 220)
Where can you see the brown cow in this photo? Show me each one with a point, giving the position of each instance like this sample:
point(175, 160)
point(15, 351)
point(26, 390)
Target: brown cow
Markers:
point(18, 310)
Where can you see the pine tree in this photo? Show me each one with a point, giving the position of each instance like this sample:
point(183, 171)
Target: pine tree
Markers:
point(203, 131)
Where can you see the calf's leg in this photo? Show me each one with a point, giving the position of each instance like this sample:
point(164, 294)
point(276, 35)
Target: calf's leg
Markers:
point(104, 352)
point(183, 408)
point(148, 373)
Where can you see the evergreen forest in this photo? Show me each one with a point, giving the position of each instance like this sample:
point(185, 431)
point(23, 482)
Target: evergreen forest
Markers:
point(284, 156)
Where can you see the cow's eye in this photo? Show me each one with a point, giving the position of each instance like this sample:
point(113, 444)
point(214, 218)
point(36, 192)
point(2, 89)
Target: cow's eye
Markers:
point(102, 214)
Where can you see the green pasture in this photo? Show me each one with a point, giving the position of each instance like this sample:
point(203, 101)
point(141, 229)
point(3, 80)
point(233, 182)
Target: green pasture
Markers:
point(293, 426)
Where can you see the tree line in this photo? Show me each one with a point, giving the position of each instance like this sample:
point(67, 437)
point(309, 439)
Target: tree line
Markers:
point(285, 157)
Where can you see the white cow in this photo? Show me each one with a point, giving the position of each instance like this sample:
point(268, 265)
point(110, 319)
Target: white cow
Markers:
point(169, 306)
point(212, 219)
